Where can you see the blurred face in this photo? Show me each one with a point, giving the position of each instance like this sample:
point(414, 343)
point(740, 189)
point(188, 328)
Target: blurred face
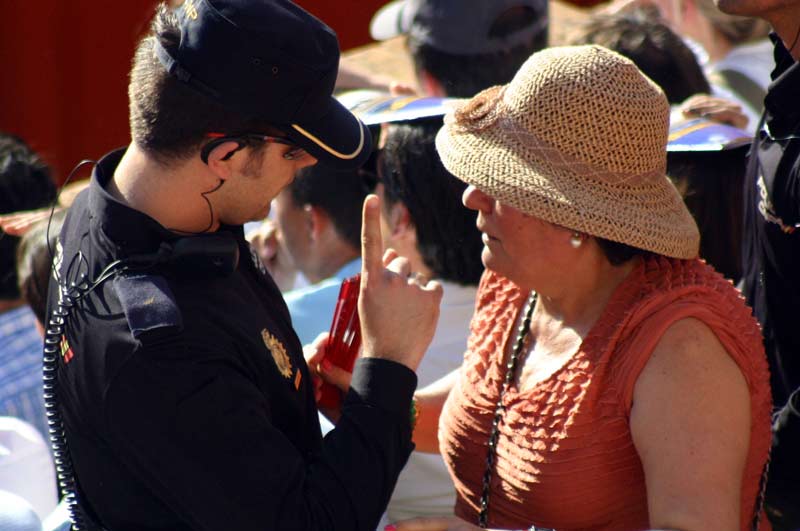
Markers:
point(292, 223)
point(522, 248)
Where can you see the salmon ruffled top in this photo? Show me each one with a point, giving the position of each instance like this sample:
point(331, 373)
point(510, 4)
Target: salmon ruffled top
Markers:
point(565, 457)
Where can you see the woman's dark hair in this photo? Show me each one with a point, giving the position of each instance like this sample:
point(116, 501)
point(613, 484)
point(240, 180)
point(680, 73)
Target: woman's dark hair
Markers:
point(655, 49)
point(618, 253)
point(712, 185)
point(413, 175)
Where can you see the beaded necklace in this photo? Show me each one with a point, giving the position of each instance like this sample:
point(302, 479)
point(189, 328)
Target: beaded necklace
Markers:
point(511, 370)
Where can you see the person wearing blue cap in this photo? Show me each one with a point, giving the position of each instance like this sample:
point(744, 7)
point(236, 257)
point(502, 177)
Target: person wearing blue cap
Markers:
point(176, 388)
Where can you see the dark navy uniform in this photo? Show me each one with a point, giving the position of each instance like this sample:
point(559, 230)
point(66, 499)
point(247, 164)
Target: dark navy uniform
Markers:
point(187, 401)
point(771, 267)
point(772, 226)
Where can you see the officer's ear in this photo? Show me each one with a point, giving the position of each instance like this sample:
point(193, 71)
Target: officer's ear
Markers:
point(219, 159)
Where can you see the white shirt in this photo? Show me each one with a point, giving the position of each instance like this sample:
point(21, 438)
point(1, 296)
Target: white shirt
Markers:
point(425, 487)
point(26, 467)
point(754, 60)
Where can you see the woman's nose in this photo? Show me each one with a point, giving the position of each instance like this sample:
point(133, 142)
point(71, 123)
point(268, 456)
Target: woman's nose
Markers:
point(474, 199)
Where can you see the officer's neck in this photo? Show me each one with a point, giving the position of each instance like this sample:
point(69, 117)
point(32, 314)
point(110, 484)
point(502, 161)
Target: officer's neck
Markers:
point(169, 193)
point(786, 23)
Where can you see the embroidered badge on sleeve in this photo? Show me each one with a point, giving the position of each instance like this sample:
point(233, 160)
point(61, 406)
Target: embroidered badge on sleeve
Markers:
point(278, 352)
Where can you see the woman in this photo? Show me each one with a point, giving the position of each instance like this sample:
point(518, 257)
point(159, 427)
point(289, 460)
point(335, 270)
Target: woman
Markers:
point(626, 379)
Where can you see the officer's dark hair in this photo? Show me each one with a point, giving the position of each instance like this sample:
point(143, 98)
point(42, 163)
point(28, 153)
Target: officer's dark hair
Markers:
point(463, 76)
point(25, 184)
point(656, 50)
point(412, 173)
point(340, 193)
point(33, 262)
point(169, 120)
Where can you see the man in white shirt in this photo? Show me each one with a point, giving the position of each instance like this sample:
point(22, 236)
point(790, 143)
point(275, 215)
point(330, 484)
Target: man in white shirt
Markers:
point(319, 218)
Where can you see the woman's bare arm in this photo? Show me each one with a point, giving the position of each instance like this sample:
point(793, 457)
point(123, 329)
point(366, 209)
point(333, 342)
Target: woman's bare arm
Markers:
point(430, 400)
point(690, 422)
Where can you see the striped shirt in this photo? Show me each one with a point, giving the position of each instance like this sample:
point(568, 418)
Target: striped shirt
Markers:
point(21, 368)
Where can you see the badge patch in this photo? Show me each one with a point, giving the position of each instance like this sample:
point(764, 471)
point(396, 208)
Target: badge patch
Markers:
point(191, 10)
point(278, 353)
point(66, 350)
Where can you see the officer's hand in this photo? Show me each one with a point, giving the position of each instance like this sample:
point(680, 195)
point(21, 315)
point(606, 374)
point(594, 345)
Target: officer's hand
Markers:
point(398, 311)
point(323, 370)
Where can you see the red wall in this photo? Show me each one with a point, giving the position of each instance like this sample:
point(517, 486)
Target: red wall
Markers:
point(64, 65)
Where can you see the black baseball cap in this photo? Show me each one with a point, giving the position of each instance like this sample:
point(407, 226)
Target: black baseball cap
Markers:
point(272, 60)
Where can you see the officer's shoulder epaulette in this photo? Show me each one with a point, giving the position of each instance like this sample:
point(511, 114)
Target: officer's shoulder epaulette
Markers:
point(148, 303)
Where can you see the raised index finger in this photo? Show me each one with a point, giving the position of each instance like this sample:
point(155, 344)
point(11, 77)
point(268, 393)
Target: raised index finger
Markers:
point(371, 240)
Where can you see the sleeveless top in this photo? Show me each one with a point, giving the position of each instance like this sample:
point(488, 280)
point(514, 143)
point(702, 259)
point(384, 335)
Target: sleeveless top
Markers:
point(565, 457)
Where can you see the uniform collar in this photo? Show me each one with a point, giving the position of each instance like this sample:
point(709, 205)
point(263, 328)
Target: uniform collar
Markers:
point(126, 228)
point(783, 113)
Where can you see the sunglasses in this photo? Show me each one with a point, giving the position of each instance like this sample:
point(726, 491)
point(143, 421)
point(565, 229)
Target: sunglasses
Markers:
point(246, 140)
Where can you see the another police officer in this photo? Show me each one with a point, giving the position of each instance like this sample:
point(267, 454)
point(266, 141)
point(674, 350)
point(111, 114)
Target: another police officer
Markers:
point(185, 398)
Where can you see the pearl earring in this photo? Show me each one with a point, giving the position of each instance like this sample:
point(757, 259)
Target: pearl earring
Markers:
point(576, 240)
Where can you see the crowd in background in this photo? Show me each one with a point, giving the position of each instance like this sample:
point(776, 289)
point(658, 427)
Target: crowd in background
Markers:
point(718, 72)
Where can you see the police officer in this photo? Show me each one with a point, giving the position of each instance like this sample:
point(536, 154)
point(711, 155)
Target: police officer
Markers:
point(771, 247)
point(185, 399)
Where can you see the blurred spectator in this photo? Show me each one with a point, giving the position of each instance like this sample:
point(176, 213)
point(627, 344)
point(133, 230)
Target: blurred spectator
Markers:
point(424, 221)
point(16, 514)
point(26, 466)
point(319, 218)
point(710, 177)
point(33, 264)
point(266, 242)
point(31, 455)
point(460, 47)
point(659, 52)
point(733, 50)
point(25, 184)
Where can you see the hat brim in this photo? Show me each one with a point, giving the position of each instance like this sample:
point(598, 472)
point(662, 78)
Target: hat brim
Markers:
point(387, 22)
point(643, 211)
point(337, 139)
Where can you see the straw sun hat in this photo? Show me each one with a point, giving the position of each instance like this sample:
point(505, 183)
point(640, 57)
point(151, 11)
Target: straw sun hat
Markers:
point(578, 138)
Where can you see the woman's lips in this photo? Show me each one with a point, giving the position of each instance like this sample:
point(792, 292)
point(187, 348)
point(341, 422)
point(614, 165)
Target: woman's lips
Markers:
point(487, 238)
